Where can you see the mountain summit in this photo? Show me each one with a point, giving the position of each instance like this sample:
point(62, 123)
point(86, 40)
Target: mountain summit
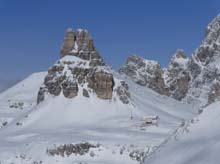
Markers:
point(79, 43)
point(82, 69)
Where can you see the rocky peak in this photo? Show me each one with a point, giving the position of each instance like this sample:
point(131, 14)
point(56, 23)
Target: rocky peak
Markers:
point(81, 72)
point(79, 43)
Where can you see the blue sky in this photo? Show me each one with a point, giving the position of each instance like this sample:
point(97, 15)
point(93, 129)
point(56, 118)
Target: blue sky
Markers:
point(32, 31)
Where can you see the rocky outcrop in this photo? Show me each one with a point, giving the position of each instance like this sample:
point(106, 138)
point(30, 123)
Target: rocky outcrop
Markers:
point(102, 83)
point(85, 92)
point(123, 92)
point(80, 68)
point(41, 94)
point(214, 94)
point(176, 75)
point(67, 75)
point(79, 43)
point(145, 73)
point(70, 88)
point(71, 149)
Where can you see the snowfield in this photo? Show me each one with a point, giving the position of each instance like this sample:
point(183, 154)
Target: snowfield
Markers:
point(116, 131)
point(198, 142)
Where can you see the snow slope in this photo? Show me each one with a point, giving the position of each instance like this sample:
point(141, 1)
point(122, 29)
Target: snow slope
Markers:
point(197, 142)
point(19, 99)
point(32, 129)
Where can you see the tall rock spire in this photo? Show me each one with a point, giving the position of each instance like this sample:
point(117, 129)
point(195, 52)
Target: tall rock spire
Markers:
point(79, 43)
point(68, 44)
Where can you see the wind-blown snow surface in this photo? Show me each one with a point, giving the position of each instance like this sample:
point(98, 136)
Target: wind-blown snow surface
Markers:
point(31, 130)
point(196, 143)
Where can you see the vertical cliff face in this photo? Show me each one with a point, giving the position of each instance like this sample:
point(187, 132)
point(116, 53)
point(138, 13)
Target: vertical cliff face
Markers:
point(192, 79)
point(79, 43)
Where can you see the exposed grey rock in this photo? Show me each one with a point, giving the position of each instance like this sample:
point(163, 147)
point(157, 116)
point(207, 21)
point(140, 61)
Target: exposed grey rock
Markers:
point(53, 83)
point(76, 73)
point(123, 92)
point(55, 69)
point(85, 93)
point(194, 68)
point(41, 94)
point(214, 94)
point(80, 73)
point(79, 43)
point(102, 83)
point(69, 149)
point(182, 85)
point(70, 88)
point(145, 73)
point(137, 155)
point(177, 75)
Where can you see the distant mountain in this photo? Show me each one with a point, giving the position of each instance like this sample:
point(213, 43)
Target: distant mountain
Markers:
point(194, 79)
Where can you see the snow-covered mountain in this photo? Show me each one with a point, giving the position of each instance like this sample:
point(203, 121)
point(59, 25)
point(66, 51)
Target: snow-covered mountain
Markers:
point(82, 129)
point(83, 111)
point(194, 79)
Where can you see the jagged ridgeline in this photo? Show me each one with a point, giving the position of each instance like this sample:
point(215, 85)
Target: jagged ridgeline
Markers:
point(81, 69)
point(194, 79)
